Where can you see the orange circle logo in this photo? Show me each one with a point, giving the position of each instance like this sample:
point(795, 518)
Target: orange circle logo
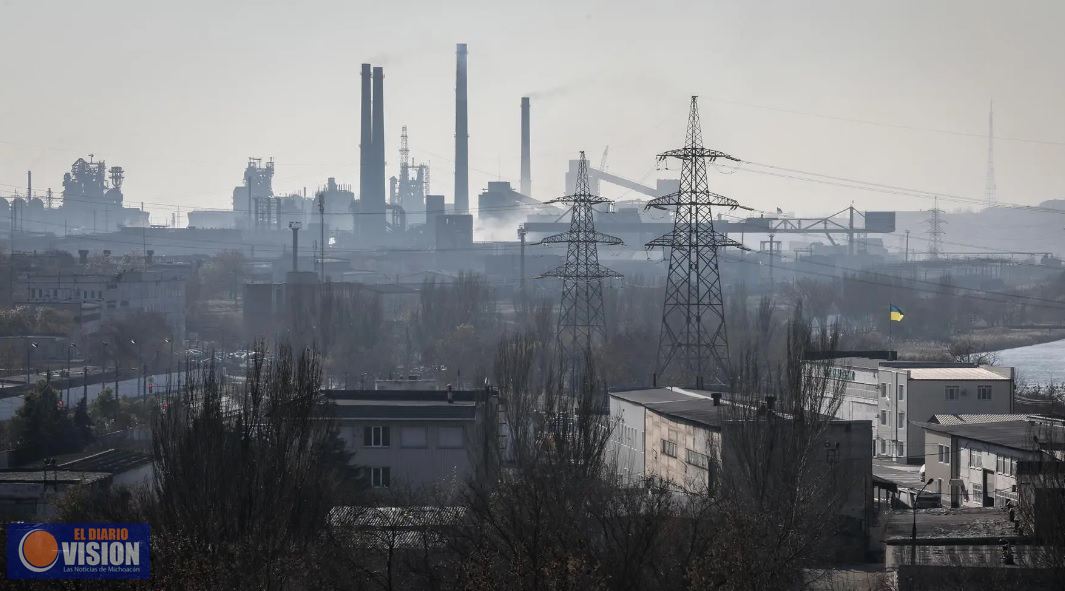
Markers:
point(38, 550)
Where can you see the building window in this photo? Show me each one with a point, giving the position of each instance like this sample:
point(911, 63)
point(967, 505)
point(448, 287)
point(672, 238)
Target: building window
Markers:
point(450, 438)
point(883, 390)
point(975, 459)
point(376, 437)
point(944, 454)
point(901, 447)
point(380, 477)
point(883, 417)
point(983, 392)
point(883, 446)
point(902, 392)
point(697, 459)
point(669, 448)
point(902, 420)
point(952, 392)
point(412, 437)
point(1006, 465)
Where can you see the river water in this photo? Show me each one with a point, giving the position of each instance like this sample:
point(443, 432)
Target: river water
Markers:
point(1036, 364)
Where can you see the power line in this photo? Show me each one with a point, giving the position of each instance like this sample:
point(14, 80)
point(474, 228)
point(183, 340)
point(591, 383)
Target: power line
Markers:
point(888, 124)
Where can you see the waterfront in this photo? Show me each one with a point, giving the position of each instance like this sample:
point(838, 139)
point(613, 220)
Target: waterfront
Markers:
point(1036, 364)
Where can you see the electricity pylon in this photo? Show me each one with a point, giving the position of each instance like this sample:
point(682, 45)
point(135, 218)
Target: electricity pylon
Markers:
point(581, 321)
point(693, 317)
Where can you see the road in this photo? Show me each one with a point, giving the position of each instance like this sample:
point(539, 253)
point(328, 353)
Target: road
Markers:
point(126, 388)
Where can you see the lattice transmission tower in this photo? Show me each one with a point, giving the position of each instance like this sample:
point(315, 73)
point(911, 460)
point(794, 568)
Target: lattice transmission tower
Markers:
point(693, 344)
point(935, 230)
point(580, 318)
point(989, 183)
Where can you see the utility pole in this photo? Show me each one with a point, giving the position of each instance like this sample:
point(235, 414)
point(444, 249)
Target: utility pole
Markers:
point(772, 256)
point(321, 216)
point(70, 348)
point(693, 316)
point(850, 231)
point(989, 185)
point(521, 262)
point(580, 316)
point(907, 259)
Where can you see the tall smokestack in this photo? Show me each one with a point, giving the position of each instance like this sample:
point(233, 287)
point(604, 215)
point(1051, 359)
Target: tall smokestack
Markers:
point(462, 135)
point(378, 138)
point(366, 138)
point(526, 167)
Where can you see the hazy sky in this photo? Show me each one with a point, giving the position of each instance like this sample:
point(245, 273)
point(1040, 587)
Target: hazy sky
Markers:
point(181, 93)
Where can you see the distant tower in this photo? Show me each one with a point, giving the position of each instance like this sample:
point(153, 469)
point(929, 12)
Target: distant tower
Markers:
point(989, 186)
point(693, 317)
point(935, 231)
point(580, 318)
point(462, 134)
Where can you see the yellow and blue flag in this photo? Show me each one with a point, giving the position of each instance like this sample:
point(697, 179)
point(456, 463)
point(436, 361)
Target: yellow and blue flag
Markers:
point(896, 313)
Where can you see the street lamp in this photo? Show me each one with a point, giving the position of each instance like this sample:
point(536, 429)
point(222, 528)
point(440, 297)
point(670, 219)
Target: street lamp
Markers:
point(170, 363)
point(70, 349)
point(29, 351)
point(140, 361)
point(913, 548)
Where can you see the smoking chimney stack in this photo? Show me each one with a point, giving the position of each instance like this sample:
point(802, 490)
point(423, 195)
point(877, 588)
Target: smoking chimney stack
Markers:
point(526, 167)
point(462, 135)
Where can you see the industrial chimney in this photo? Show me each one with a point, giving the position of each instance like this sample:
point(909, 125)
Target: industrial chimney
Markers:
point(366, 138)
point(378, 137)
point(526, 168)
point(374, 203)
point(462, 135)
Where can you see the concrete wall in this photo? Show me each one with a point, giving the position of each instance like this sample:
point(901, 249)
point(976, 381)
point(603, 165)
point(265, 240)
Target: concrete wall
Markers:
point(969, 460)
point(626, 449)
point(682, 473)
point(921, 400)
point(412, 465)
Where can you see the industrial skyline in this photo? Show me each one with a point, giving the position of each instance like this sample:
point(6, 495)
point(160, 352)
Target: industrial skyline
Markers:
point(868, 118)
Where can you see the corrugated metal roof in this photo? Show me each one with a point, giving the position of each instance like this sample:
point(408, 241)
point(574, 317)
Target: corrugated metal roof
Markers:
point(1016, 434)
point(975, 418)
point(652, 395)
point(954, 373)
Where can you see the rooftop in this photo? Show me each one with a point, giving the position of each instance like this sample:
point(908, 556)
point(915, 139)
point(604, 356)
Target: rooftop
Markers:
point(653, 395)
point(697, 410)
point(405, 404)
point(954, 373)
point(941, 524)
point(1014, 434)
point(111, 461)
point(975, 418)
point(60, 476)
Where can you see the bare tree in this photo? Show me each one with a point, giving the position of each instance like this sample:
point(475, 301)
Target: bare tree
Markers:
point(777, 491)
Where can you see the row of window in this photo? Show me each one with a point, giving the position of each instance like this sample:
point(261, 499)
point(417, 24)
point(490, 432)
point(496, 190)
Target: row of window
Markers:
point(901, 392)
point(40, 293)
point(413, 437)
point(1003, 464)
point(983, 392)
point(669, 448)
point(897, 448)
point(901, 419)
